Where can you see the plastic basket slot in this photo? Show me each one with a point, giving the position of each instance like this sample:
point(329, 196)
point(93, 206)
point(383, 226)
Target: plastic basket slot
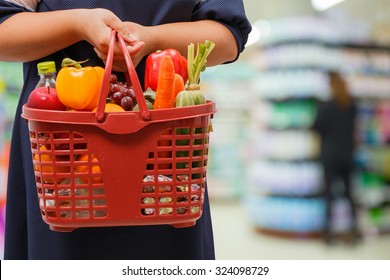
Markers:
point(53, 154)
point(72, 193)
point(87, 168)
point(171, 196)
point(179, 148)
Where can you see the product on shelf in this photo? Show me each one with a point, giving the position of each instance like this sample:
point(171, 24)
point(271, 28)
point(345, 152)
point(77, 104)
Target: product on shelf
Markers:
point(294, 179)
point(288, 214)
point(284, 145)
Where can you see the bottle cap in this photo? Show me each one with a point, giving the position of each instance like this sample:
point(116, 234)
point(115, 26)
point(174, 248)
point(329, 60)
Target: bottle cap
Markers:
point(46, 67)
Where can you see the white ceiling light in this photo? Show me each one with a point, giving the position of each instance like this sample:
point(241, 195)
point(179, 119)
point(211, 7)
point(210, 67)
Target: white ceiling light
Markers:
point(253, 37)
point(322, 5)
point(260, 28)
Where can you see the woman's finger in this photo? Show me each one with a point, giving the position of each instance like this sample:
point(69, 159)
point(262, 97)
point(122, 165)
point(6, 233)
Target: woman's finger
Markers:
point(133, 49)
point(101, 55)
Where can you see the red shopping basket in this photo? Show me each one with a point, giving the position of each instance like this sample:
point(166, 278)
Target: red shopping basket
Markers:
point(123, 168)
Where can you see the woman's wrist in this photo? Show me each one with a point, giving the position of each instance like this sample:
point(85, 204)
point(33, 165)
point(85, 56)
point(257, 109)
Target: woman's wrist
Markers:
point(87, 23)
point(79, 24)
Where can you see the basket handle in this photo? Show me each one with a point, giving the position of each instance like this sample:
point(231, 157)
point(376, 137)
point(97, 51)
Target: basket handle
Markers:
point(131, 75)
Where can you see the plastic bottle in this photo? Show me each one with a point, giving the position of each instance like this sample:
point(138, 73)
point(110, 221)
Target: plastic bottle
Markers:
point(47, 73)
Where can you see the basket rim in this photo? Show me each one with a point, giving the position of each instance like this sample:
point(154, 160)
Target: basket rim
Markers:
point(111, 119)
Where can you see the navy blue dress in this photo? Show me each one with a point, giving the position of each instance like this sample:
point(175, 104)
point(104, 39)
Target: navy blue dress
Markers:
point(27, 236)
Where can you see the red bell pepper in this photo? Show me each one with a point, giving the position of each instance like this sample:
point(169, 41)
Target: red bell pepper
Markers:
point(153, 66)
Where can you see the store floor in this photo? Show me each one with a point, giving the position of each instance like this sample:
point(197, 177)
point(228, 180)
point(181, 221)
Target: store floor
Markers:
point(236, 239)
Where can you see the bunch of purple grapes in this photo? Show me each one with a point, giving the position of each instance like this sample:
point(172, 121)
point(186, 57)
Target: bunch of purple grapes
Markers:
point(121, 93)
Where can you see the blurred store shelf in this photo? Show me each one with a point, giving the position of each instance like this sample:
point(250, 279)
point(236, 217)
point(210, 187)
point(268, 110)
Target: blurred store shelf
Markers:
point(10, 86)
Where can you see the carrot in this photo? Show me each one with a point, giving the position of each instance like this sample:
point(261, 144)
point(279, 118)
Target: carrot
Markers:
point(179, 85)
point(165, 99)
point(165, 84)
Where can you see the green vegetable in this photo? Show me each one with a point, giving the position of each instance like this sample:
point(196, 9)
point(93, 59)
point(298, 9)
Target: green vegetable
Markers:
point(184, 98)
point(148, 103)
point(68, 62)
point(193, 95)
point(150, 96)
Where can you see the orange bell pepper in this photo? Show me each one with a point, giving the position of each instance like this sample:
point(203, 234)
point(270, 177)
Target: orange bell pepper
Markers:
point(79, 87)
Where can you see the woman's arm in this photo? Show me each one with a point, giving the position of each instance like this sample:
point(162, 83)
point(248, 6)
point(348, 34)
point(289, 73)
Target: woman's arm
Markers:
point(29, 36)
point(179, 35)
point(23, 37)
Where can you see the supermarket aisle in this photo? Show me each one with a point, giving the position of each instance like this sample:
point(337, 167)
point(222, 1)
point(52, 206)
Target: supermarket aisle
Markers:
point(235, 238)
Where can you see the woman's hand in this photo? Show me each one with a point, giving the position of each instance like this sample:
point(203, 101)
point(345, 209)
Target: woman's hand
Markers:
point(130, 33)
point(98, 33)
point(142, 34)
point(119, 63)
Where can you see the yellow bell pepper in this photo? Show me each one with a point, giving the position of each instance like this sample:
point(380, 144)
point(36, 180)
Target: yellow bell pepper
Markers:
point(79, 87)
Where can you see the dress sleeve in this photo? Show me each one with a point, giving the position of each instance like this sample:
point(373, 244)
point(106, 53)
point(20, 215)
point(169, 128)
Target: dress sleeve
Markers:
point(230, 13)
point(9, 8)
point(29, 4)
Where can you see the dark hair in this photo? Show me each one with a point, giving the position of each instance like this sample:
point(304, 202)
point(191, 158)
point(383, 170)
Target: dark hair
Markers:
point(339, 90)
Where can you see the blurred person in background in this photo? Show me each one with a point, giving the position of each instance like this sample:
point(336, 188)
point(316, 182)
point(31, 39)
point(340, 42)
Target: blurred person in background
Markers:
point(335, 124)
